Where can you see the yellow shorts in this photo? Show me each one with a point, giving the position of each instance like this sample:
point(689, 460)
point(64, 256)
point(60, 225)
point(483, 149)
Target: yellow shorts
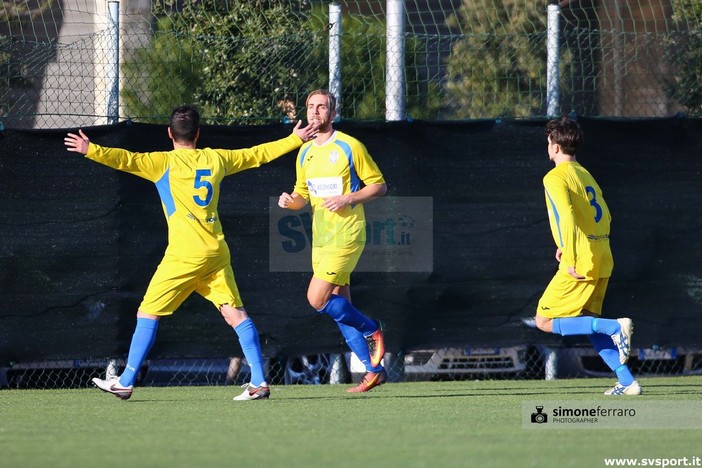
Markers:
point(335, 264)
point(176, 278)
point(566, 297)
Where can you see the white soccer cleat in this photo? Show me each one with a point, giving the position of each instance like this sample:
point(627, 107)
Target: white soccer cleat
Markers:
point(633, 389)
point(261, 392)
point(623, 339)
point(112, 386)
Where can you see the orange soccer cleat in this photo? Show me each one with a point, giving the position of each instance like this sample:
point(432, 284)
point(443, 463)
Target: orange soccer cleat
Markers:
point(370, 381)
point(376, 345)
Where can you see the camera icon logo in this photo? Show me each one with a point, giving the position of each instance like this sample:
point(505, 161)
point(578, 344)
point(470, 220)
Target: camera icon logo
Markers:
point(539, 417)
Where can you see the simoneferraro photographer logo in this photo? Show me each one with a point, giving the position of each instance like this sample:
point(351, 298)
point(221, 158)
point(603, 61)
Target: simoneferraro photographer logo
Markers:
point(617, 413)
point(581, 414)
point(539, 417)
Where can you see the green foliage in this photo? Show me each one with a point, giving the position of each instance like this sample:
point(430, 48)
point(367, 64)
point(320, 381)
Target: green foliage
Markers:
point(363, 70)
point(255, 57)
point(238, 61)
point(253, 62)
point(162, 76)
point(498, 68)
point(685, 54)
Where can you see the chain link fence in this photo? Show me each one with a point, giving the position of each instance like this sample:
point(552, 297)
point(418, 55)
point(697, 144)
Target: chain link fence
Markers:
point(465, 363)
point(251, 62)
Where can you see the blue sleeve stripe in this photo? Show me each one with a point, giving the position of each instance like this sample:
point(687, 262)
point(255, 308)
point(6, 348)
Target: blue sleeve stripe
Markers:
point(163, 185)
point(557, 216)
point(303, 154)
point(355, 181)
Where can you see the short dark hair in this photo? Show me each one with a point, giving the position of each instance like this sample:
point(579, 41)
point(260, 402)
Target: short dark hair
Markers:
point(184, 123)
point(566, 133)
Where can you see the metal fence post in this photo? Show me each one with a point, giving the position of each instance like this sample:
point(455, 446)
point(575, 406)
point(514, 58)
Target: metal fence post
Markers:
point(395, 61)
point(550, 363)
point(335, 54)
point(112, 72)
point(552, 60)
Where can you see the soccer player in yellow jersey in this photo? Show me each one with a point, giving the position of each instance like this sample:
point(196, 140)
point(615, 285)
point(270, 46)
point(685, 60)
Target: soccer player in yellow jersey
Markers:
point(580, 222)
point(336, 175)
point(197, 258)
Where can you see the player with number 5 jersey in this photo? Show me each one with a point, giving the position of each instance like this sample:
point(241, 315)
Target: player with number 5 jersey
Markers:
point(188, 181)
point(197, 258)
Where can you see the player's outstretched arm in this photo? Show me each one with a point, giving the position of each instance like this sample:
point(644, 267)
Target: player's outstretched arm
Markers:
point(77, 143)
point(306, 133)
point(248, 158)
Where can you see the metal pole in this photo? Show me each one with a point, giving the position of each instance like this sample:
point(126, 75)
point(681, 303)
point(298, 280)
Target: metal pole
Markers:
point(335, 54)
point(550, 364)
point(618, 60)
point(395, 60)
point(552, 58)
point(112, 72)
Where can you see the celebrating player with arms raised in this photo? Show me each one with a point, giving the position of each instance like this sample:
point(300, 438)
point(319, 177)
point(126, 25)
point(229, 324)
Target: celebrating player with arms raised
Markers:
point(197, 258)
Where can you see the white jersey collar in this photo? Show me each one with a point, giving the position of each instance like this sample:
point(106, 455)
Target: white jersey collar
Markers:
point(330, 140)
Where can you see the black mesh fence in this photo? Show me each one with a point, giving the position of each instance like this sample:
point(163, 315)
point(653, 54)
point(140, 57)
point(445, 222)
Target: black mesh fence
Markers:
point(80, 241)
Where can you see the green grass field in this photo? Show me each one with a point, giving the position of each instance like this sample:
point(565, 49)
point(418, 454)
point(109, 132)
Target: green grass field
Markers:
point(473, 423)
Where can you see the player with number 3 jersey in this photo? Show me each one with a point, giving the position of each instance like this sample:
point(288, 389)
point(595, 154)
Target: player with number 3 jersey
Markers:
point(579, 219)
point(580, 225)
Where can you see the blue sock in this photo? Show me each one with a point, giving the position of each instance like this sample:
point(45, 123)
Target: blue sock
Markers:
point(607, 350)
point(341, 310)
point(248, 338)
point(624, 375)
point(568, 326)
point(357, 343)
point(606, 326)
point(142, 340)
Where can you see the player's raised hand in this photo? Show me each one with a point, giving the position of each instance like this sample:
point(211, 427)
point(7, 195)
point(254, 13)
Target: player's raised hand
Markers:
point(306, 133)
point(77, 143)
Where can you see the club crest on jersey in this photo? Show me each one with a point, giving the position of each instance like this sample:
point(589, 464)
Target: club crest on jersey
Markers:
point(333, 157)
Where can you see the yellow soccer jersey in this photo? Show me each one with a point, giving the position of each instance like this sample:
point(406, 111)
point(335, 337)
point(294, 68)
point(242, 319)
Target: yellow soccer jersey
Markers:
point(579, 219)
point(188, 182)
point(339, 166)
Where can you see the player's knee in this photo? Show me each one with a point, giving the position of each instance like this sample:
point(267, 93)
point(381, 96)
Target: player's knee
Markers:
point(319, 293)
point(543, 323)
point(316, 301)
point(233, 315)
